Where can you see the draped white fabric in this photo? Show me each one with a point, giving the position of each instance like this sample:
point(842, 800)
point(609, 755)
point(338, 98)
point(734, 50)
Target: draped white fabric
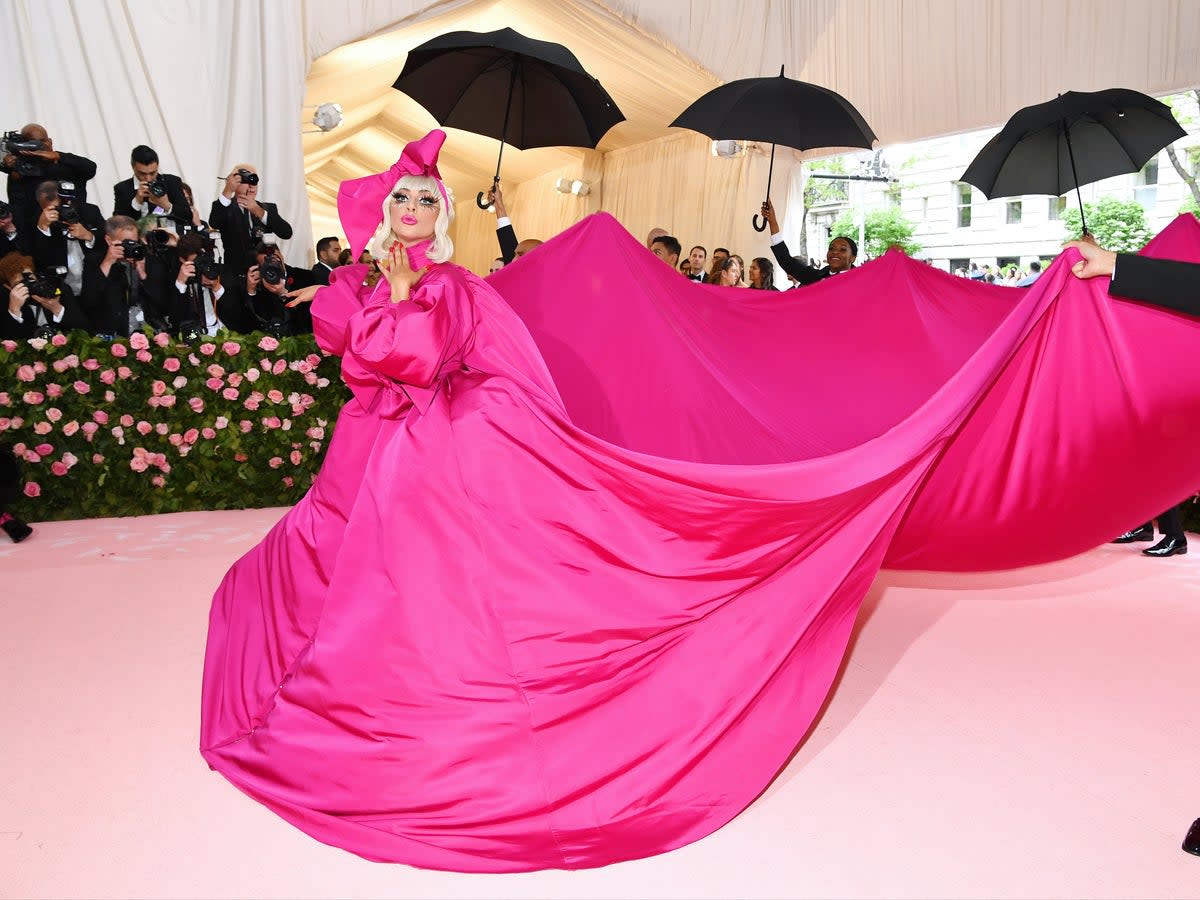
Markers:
point(216, 83)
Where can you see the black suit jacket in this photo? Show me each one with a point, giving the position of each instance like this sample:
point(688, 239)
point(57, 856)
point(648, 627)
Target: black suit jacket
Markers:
point(73, 317)
point(51, 251)
point(320, 274)
point(78, 169)
point(798, 270)
point(508, 243)
point(1163, 282)
point(123, 191)
point(234, 225)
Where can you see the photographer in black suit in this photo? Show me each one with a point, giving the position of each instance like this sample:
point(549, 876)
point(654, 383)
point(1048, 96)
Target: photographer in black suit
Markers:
point(29, 159)
point(114, 296)
point(203, 302)
point(35, 305)
point(149, 191)
point(242, 220)
point(66, 233)
point(267, 283)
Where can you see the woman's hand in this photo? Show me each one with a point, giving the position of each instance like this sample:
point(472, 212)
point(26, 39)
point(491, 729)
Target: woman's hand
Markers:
point(399, 273)
point(302, 295)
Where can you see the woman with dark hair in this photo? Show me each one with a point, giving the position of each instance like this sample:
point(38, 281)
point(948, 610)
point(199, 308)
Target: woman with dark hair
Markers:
point(839, 258)
point(762, 274)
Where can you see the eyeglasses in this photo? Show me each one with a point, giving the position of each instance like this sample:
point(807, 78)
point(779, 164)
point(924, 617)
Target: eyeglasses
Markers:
point(427, 201)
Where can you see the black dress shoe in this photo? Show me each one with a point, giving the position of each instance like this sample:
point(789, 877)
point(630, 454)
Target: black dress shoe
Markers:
point(1145, 533)
point(15, 528)
point(1191, 843)
point(1171, 545)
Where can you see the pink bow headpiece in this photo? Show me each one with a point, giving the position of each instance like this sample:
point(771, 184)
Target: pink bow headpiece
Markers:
point(361, 199)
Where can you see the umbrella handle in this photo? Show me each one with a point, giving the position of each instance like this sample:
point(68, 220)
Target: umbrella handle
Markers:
point(479, 199)
point(759, 224)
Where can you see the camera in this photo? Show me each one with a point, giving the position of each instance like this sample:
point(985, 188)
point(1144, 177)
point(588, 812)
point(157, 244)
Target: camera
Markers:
point(247, 177)
point(134, 250)
point(207, 265)
point(5, 210)
point(276, 328)
point(272, 270)
point(157, 187)
point(16, 143)
point(68, 211)
point(44, 284)
point(158, 240)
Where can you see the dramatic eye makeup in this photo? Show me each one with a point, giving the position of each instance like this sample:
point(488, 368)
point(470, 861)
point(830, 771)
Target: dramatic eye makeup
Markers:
point(427, 200)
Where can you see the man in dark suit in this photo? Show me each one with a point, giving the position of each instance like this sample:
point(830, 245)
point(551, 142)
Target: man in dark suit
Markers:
point(266, 283)
point(27, 168)
point(34, 304)
point(839, 258)
point(506, 235)
point(150, 191)
point(114, 283)
point(65, 234)
point(242, 220)
point(328, 251)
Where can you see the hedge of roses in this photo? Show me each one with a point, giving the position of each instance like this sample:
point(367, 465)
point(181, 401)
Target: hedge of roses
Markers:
point(149, 425)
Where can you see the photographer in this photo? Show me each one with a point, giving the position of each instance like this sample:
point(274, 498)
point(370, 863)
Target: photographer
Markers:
point(201, 303)
point(114, 297)
point(11, 239)
point(267, 281)
point(66, 231)
point(35, 305)
point(243, 220)
point(30, 158)
point(149, 191)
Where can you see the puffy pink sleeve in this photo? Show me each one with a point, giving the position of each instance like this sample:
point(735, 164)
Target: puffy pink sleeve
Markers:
point(334, 304)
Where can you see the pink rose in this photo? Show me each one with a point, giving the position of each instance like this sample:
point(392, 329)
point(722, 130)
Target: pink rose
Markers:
point(109, 397)
point(32, 457)
point(271, 422)
point(286, 425)
point(158, 481)
point(295, 457)
point(221, 422)
point(279, 367)
point(250, 403)
point(268, 343)
point(54, 414)
point(234, 379)
point(16, 422)
point(58, 468)
point(143, 356)
point(215, 371)
point(297, 410)
point(275, 396)
point(193, 359)
point(119, 433)
point(316, 445)
point(82, 387)
point(5, 400)
point(288, 480)
point(208, 349)
point(32, 489)
point(91, 364)
point(196, 404)
point(124, 372)
point(10, 346)
point(310, 378)
point(175, 439)
point(167, 401)
point(208, 434)
point(171, 364)
point(185, 449)
point(231, 349)
point(162, 339)
point(69, 428)
point(144, 427)
point(230, 393)
point(240, 457)
point(4, 423)
point(44, 449)
point(245, 425)
point(153, 402)
point(191, 436)
point(119, 350)
point(139, 464)
point(161, 428)
point(303, 366)
point(252, 375)
point(126, 420)
point(100, 416)
point(59, 340)
point(179, 382)
point(33, 398)
point(59, 365)
point(97, 458)
point(316, 433)
point(54, 391)
point(19, 449)
point(312, 359)
point(39, 367)
point(25, 373)
point(158, 388)
point(69, 459)
point(43, 428)
point(214, 384)
point(138, 341)
point(89, 428)
point(275, 462)
point(108, 376)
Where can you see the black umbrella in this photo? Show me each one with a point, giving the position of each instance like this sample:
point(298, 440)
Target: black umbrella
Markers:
point(504, 85)
point(1074, 139)
point(780, 110)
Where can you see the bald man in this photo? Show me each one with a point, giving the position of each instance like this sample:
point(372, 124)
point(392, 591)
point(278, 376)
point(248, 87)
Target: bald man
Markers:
point(243, 220)
point(39, 161)
point(653, 235)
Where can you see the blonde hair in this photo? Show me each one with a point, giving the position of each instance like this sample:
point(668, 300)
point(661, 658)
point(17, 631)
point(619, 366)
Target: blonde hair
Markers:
point(441, 248)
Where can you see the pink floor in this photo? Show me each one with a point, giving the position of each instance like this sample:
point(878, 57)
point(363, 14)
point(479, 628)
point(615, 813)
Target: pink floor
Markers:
point(1023, 734)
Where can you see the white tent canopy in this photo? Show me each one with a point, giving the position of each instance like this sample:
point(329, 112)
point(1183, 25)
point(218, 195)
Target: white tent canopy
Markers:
point(212, 84)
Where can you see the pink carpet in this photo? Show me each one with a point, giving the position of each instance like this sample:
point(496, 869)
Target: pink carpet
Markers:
point(1021, 734)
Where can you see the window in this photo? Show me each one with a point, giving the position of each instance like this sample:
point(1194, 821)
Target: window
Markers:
point(1012, 213)
point(963, 193)
point(1145, 189)
point(1058, 205)
point(959, 265)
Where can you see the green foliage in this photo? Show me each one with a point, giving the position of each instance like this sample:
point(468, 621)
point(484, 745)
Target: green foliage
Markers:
point(1118, 225)
point(883, 229)
point(1191, 206)
point(147, 425)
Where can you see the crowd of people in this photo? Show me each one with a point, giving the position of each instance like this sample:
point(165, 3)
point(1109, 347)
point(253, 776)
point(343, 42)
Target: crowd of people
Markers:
point(155, 261)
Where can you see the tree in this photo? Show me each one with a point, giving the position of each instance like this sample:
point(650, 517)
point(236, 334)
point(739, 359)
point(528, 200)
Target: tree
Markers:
point(1184, 107)
point(818, 191)
point(1118, 225)
point(883, 228)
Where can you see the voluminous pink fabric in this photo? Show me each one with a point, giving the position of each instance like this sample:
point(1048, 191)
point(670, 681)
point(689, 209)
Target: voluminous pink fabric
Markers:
point(590, 539)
